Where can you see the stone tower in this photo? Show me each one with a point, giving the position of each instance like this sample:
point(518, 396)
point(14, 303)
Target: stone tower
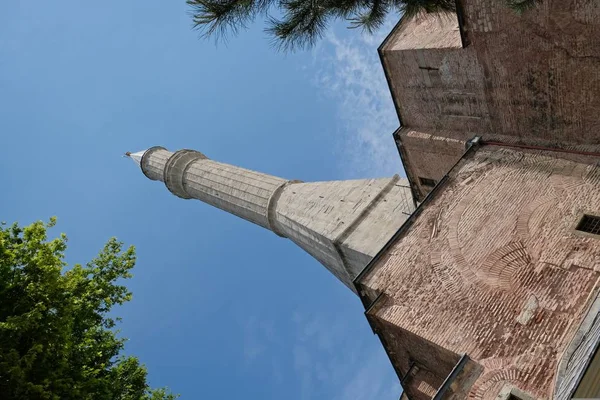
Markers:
point(343, 224)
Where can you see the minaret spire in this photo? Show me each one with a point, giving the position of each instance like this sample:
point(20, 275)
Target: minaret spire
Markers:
point(341, 223)
point(136, 157)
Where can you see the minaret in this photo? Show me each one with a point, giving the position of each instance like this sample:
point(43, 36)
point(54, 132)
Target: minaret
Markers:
point(342, 224)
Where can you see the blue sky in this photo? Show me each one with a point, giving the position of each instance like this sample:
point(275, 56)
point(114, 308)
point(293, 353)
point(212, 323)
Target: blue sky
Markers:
point(221, 308)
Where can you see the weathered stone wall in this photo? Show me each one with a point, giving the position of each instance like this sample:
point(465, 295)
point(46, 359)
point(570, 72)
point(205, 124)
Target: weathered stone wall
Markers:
point(430, 155)
point(423, 364)
point(531, 79)
point(435, 87)
point(343, 224)
point(530, 76)
point(493, 268)
point(542, 69)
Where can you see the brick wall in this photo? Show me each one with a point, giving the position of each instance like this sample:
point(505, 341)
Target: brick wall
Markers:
point(430, 155)
point(435, 87)
point(493, 268)
point(542, 69)
point(531, 78)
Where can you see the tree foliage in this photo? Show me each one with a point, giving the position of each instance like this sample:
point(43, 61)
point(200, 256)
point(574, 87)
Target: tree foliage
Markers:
point(57, 338)
point(303, 22)
point(520, 6)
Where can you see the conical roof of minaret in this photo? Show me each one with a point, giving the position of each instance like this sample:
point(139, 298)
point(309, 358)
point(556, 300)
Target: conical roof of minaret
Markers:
point(136, 157)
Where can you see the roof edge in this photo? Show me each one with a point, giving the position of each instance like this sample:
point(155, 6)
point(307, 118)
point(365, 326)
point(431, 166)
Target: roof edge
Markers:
point(472, 145)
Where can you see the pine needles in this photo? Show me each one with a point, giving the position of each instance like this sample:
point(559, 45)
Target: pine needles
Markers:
point(302, 23)
point(520, 6)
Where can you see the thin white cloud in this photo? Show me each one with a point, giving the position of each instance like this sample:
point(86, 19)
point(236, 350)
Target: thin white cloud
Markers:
point(361, 369)
point(277, 371)
point(371, 380)
point(253, 345)
point(329, 361)
point(348, 72)
point(326, 355)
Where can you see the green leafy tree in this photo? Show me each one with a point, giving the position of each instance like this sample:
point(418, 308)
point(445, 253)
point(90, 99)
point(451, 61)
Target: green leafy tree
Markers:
point(56, 335)
point(303, 22)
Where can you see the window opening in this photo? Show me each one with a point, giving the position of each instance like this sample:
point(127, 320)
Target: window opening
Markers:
point(589, 224)
point(427, 182)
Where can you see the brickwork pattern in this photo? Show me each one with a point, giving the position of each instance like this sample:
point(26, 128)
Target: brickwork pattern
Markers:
point(431, 154)
point(438, 89)
point(493, 268)
point(427, 32)
point(530, 76)
point(530, 79)
point(542, 68)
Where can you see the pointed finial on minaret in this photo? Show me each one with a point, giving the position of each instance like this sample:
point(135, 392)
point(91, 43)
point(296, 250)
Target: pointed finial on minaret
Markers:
point(136, 157)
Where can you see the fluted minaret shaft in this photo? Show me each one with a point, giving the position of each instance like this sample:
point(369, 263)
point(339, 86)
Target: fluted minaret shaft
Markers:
point(190, 174)
point(342, 224)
